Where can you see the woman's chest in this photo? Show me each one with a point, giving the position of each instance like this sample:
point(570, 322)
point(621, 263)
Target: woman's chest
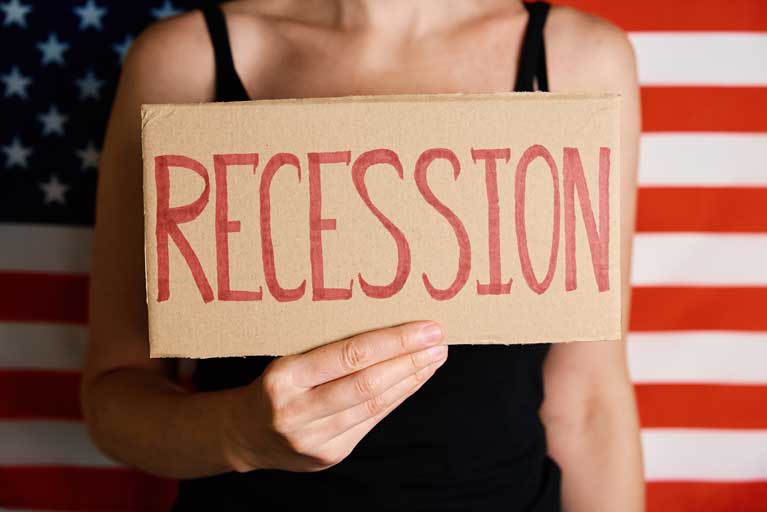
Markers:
point(479, 61)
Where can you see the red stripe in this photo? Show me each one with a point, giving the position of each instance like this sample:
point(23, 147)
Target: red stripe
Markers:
point(90, 489)
point(38, 297)
point(704, 109)
point(719, 210)
point(679, 14)
point(706, 496)
point(35, 394)
point(702, 406)
point(54, 395)
point(698, 308)
point(83, 489)
point(45, 394)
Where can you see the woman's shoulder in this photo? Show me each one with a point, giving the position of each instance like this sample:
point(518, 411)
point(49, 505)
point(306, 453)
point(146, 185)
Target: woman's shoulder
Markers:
point(174, 57)
point(171, 60)
point(586, 52)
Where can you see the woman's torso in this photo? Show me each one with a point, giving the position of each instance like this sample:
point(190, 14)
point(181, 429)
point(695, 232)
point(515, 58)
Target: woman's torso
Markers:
point(471, 438)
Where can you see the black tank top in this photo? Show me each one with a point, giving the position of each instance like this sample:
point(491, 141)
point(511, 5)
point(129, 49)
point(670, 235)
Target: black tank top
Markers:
point(469, 439)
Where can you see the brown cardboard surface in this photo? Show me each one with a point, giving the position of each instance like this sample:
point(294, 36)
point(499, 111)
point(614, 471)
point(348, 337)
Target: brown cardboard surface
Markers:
point(381, 210)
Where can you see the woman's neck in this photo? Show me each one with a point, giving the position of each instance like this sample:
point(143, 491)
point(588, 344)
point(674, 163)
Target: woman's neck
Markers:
point(402, 19)
point(414, 18)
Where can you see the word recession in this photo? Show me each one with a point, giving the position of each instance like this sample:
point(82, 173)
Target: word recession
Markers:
point(569, 185)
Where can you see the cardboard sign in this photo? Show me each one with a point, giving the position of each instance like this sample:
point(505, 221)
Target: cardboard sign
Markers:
point(273, 227)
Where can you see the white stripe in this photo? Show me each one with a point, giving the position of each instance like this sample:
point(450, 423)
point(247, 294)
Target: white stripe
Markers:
point(65, 443)
point(699, 259)
point(704, 159)
point(42, 346)
point(706, 58)
point(53, 347)
point(705, 455)
point(38, 248)
point(699, 356)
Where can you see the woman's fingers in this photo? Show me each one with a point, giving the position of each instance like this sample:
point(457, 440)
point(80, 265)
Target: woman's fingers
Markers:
point(307, 412)
point(345, 357)
point(367, 385)
point(351, 425)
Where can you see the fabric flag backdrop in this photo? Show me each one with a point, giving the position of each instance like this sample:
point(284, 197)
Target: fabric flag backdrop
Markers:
point(698, 342)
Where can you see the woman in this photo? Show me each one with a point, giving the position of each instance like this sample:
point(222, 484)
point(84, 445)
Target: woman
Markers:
point(332, 428)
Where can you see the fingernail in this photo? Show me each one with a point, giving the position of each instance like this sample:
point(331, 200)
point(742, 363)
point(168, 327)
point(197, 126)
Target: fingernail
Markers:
point(437, 353)
point(430, 334)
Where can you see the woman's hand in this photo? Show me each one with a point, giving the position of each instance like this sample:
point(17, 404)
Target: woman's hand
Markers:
point(307, 412)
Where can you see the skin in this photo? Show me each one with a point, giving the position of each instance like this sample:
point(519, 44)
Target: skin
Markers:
point(307, 412)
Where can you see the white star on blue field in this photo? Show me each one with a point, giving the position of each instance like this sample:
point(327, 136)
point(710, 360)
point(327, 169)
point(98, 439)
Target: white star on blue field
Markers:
point(89, 86)
point(16, 83)
point(90, 15)
point(17, 154)
point(60, 61)
point(52, 50)
point(53, 121)
point(89, 157)
point(166, 10)
point(54, 191)
point(123, 47)
point(15, 13)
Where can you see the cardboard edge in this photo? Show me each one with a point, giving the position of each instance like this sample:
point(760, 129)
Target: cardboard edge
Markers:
point(145, 118)
point(153, 109)
point(158, 353)
point(617, 102)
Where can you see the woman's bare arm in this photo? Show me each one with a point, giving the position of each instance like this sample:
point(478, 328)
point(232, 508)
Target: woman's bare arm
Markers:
point(134, 410)
point(292, 417)
point(590, 410)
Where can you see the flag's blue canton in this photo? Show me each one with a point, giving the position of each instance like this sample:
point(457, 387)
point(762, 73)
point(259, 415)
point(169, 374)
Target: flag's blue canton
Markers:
point(58, 72)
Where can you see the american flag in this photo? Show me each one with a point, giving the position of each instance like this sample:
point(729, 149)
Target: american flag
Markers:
point(698, 341)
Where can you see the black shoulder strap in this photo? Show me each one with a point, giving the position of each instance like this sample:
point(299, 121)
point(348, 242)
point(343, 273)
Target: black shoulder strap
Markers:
point(532, 57)
point(228, 84)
